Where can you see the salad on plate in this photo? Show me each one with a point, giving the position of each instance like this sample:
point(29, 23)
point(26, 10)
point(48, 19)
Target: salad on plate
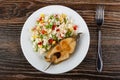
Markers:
point(50, 29)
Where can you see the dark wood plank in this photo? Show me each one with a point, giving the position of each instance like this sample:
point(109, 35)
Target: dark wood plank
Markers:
point(14, 66)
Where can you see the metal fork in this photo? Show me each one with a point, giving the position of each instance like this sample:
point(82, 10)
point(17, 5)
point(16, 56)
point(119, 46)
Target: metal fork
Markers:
point(99, 21)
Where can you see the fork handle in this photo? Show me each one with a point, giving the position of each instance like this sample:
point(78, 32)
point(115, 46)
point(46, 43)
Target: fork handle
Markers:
point(99, 56)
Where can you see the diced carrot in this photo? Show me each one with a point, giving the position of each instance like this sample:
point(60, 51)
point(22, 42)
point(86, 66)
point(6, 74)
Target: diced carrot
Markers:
point(43, 32)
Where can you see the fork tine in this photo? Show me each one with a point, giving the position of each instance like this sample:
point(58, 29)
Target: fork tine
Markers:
point(99, 14)
point(101, 7)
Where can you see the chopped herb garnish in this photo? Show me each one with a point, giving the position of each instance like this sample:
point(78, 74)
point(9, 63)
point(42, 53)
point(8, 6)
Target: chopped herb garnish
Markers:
point(41, 36)
point(65, 20)
point(47, 26)
point(52, 16)
point(68, 34)
point(57, 19)
point(45, 46)
point(50, 25)
point(55, 37)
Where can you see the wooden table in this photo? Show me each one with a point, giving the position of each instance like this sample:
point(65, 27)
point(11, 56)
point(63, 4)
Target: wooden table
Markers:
point(14, 66)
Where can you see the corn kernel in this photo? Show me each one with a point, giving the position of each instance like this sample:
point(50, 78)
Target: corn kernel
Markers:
point(42, 15)
point(54, 42)
point(42, 21)
point(40, 46)
point(71, 29)
point(34, 37)
point(61, 19)
point(64, 15)
point(38, 27)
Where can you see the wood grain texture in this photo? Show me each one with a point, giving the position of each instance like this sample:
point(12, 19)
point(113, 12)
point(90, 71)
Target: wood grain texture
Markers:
point(14, 66)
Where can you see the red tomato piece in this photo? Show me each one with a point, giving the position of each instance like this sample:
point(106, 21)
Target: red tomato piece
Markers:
point(50, 41)
point(75, 27)
point(40, 43)
point(58, 30)
point(53, 27)
point(40, 19)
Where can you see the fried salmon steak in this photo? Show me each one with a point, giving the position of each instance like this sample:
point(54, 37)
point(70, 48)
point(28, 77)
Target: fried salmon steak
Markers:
point(61, 51)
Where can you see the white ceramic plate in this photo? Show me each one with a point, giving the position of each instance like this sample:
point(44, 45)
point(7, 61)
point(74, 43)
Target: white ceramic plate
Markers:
point(36, 60)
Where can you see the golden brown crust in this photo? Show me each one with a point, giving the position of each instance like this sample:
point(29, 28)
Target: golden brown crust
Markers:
point(65, 48)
